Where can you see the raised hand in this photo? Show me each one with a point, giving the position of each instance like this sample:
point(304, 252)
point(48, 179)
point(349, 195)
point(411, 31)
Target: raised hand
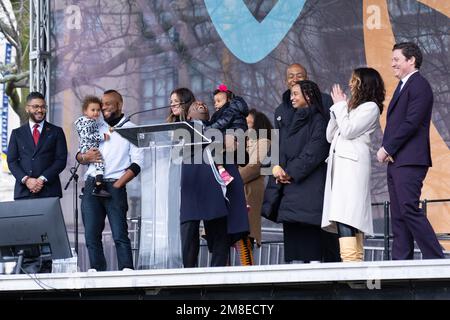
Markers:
point(337, 94)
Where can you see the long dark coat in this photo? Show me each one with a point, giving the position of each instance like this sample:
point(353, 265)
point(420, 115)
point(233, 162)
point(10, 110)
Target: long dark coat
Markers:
point(202, 197)
point(302, 155)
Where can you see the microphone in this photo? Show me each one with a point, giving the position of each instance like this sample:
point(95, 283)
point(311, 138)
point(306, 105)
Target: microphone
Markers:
point(128, 118)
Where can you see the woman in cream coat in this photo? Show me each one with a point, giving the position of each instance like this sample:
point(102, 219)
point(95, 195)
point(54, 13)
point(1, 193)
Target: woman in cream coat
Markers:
point(258, 144)
point(347, 203)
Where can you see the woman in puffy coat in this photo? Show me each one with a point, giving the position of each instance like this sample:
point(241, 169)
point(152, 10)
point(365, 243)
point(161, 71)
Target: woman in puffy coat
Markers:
point(302, 172)
point(347, 205)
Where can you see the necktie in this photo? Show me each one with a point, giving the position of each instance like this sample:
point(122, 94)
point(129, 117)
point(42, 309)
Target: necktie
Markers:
point(36, 134)
point(397, 90)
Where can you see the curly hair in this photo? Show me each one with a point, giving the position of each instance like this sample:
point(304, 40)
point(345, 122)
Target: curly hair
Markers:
point(88, 100)
point(367, 85)
point(260, 122)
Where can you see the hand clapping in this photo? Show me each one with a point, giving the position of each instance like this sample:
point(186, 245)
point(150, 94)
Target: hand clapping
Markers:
point(337, 94)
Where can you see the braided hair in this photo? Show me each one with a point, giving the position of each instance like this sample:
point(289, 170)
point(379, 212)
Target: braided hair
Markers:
point(313, 96)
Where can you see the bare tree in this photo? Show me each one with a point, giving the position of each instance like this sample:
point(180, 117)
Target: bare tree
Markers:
point(15, 28)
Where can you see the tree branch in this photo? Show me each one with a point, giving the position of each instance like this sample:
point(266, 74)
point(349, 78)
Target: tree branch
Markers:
point(15, 77)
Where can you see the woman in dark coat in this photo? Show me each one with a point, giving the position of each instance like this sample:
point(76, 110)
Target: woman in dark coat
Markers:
point(202, 199)
point(302, 171)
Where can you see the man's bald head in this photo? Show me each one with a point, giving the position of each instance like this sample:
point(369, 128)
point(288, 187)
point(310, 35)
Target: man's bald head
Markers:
point(112, 103)
point(295, 72)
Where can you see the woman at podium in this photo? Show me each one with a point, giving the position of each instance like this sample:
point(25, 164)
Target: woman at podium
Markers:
point(224, 218)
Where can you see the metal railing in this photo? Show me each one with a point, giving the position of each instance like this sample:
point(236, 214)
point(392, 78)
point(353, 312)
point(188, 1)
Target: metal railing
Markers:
point(271, 252)
point(387, 236)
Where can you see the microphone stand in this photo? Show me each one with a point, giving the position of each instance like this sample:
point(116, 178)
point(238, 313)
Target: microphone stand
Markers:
point(128, 118)
point(74, 177)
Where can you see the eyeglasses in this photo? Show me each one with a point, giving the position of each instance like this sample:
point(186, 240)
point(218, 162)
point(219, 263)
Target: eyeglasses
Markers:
point(37, 106)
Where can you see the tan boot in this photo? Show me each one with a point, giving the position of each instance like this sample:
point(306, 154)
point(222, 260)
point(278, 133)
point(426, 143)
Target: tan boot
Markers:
point(360, 246)
point(348, 249)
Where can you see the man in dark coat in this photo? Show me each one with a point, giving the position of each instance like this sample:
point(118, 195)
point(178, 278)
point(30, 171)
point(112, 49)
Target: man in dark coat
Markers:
point(284, 114)
point(37, 154)
point(406, 147)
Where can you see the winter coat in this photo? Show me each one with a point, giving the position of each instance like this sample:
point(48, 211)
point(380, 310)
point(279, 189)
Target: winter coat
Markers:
point(303, 151)
point(284, 113)
point(347, 189)
point(254, 184)
point(231, 116)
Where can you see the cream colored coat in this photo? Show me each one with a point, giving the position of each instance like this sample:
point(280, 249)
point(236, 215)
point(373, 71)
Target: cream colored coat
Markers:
point(254, 184)
point(347, 188)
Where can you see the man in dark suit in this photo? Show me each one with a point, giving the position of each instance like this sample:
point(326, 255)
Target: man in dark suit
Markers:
point(406, 148)
point(37, 154)
point(284, 113)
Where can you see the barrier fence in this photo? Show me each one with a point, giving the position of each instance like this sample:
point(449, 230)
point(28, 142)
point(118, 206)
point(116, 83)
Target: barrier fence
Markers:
point(377, 247)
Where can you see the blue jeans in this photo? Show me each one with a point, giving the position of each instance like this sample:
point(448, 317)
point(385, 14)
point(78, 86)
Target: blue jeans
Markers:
point(94, 211)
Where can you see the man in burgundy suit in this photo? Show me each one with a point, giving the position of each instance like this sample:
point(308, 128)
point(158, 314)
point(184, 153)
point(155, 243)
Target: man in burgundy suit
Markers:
point(406, 148)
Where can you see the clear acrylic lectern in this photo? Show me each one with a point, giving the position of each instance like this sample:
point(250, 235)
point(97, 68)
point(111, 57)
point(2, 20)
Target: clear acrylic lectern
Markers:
point(164, 144)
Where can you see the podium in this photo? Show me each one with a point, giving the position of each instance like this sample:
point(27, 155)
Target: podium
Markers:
point(164, 148)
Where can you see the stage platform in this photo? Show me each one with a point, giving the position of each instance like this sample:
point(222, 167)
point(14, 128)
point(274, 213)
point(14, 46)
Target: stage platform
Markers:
point(417, 279)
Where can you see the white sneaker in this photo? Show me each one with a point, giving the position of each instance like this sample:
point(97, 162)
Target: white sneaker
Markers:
point(92, 270)
point(127, 269)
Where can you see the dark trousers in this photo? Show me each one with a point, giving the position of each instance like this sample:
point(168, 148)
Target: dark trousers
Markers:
point(94, 211)
point(330, 247)
point(216, 236)
point(409, 223)
point(190, 243)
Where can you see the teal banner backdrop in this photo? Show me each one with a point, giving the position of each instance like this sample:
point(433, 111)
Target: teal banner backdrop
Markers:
point(145, 49)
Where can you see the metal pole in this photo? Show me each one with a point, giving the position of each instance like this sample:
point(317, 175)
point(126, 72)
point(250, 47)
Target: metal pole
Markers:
point(386, 231)
point(424, 207)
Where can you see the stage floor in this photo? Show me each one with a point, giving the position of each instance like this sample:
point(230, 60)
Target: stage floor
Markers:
point(401, 279)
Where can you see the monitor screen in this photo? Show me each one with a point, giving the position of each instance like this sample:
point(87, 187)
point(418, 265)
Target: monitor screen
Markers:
point(35, 226)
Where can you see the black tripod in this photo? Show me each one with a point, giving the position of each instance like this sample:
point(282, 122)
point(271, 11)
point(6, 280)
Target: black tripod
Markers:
point(74, 177)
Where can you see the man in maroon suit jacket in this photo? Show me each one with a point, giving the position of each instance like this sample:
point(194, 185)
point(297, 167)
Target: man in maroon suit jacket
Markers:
point(406, 148)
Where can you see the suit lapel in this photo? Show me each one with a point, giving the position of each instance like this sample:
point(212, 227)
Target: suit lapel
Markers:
point(27, 136)
point(398, 93)
point(394, 98)
point(411, 79)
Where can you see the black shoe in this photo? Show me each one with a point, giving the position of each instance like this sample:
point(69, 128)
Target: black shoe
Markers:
point(102, 193)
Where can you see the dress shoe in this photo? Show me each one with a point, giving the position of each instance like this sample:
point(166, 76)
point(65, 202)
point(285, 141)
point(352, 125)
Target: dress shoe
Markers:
point(102, 193)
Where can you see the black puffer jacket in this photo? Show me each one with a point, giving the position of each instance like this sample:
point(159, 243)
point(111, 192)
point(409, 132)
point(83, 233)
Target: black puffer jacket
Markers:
point(231, 116)
point(303, 152)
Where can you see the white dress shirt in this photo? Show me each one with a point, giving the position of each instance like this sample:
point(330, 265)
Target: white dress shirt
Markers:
point(117, 152)
point(405, 78)
point(32, 123)
point(41, 126)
